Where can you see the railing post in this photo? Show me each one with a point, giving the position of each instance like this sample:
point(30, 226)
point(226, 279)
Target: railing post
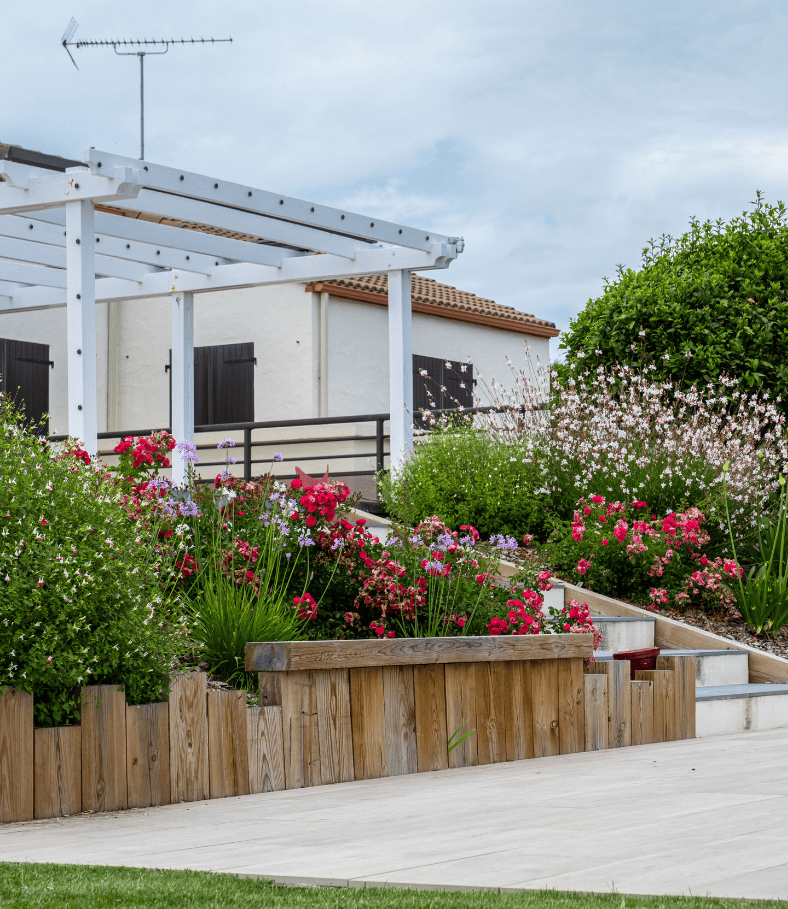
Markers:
point(247, 455)
point(379, 443)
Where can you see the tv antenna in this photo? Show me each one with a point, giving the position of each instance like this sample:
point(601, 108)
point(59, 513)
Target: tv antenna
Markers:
point(143, 48)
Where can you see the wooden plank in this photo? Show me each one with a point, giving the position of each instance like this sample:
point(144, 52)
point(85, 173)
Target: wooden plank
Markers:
point(334, 726)
point(188, 738)
point(642, 697)
point(596, 711)
point(369, 723)
point(460, 681)
point(492, 696)
point(545, 707)
point(301, 736)
point(672, 635)
point(683, 669)
point(16, 756)
point(270, 687)
point(103, 721)
point(519, 711)
point(664, 708)
point(58, 771)
point(571, 703)
point(399, 705)
point(429, 687)
point(228, 749)
point(266, 750)
point(148, 755)
point(312, 655)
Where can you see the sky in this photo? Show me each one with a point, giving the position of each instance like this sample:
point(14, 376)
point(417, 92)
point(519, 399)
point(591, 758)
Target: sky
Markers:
point(556, 136)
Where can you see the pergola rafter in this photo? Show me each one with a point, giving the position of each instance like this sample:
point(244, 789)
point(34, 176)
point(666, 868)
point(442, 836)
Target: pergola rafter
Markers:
point(90, 234)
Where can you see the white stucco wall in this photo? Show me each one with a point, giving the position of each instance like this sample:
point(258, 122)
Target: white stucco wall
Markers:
point(358, 368)
point(283, 323)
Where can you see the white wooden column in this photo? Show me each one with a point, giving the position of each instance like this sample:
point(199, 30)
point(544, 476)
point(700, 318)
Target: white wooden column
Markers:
point(182, 375)
point(81, 324)
point(400, 366)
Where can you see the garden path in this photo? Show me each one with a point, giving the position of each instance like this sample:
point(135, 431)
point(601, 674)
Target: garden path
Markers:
point(702, 816)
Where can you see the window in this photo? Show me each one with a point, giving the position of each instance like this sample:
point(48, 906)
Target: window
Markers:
point(441, 373)
point(223, 384)
point(24, 377)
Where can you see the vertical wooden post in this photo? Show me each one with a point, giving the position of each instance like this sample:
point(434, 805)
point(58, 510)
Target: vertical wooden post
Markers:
point(16, 756)
point(429, 684)
point(266, 750)
point(461, 712)
point(642, 694)
point(596, 712)
point(188, 716)
point(58, 771)
point(519, 711)
point(369, 725)
point(300, 729)
point(148, 755)
point(664, 706)
point(571, 695)
point(545, 706)
point(683, 669)
point(400, 717)
point(103, 721)
point(228, 748)
point(334, 725)
point(492, 694)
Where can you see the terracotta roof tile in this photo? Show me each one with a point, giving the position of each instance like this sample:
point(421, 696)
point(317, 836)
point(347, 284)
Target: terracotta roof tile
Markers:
point(431, 292)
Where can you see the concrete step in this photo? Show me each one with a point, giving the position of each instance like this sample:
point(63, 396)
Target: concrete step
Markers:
point(738, 708)
point(713, 667)
point(624, 633)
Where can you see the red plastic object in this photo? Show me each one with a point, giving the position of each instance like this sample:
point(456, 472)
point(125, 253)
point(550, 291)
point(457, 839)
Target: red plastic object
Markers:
point(639, 659)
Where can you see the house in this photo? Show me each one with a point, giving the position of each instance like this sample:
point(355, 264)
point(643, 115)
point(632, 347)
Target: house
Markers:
point(273, 350)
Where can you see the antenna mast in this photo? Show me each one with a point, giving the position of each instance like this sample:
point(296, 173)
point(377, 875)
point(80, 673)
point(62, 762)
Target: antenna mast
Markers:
point(154, 44)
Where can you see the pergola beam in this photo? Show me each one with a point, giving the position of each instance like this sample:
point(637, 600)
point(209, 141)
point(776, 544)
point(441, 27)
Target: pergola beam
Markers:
point(51, 191)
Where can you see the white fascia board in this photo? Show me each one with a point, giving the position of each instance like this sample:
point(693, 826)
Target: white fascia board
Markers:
point(302, 269)
point(47, 254)
point(8, 289)
point(41, 234)
point(177, 239)
point(267, 203)
point(38, 275)
point(241, 222)
point(54, 190)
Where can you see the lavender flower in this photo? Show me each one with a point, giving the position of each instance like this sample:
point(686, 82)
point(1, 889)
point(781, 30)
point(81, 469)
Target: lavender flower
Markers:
point(188, 451)
point(226, 443)
point(278, 456)
point(502, 542)
point(444, 541)
point(336, 544)
point(189, 509)
point(305, 540)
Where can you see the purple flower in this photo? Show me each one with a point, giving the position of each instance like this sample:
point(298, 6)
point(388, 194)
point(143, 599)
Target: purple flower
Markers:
point(189, 509)
point(502, 542)
point(188, 451)
point(278, 456)
point(226, 443)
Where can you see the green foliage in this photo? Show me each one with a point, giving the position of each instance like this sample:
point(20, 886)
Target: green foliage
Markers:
point(465, 476)
point(83, 597)
point(712, 301)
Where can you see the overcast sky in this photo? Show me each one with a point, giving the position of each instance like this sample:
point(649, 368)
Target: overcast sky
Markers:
point(556, 136)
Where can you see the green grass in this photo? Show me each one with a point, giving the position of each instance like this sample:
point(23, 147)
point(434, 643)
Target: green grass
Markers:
point(29, 886)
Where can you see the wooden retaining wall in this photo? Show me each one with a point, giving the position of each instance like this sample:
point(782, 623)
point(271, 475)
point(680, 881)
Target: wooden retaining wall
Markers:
point(334, 712)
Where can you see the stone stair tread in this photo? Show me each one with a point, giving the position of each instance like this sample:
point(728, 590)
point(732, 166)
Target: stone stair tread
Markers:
point(749, 690)
point(622, 618)
point(608, 654)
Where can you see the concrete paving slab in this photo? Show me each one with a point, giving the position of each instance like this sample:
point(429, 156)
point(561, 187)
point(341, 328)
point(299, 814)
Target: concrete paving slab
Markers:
point(704, 817)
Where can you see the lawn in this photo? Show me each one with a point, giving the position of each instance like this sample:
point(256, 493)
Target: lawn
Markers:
point(84, 887)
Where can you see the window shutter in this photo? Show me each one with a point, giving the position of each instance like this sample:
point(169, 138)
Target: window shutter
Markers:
point(427, 393)
point(223, 384)
point(24, 377)
point(454, 379)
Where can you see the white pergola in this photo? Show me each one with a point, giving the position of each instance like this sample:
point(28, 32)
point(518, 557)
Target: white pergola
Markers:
point(56, 251)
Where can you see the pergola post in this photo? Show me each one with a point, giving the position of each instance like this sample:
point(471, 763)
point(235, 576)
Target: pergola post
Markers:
point(400, 366)
point(81, 324)
point(182, 377)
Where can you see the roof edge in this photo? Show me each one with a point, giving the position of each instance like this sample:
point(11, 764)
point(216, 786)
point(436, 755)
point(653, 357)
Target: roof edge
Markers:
point(435, 309)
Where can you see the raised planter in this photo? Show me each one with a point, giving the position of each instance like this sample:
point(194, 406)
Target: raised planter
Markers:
point(334, 711)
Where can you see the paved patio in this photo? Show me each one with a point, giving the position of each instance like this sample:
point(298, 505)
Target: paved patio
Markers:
point(705, 816)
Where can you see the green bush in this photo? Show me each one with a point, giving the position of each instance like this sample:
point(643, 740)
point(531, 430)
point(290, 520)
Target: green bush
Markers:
point(81, 586)
point(714, 300)
point(464, 476)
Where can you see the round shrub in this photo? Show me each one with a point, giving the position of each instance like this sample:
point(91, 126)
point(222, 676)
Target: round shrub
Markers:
point(82, 598)
point(714, 300)
point(465, 476)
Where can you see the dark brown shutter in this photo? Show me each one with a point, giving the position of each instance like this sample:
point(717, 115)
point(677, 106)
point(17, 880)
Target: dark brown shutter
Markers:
point(459, 385)
point(223, 384)
point(427, 393)
point(24, 377)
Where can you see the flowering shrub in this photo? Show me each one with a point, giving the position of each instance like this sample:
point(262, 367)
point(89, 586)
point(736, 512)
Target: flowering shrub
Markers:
point(144, 456)
point(83, 589)
point(627, 550)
